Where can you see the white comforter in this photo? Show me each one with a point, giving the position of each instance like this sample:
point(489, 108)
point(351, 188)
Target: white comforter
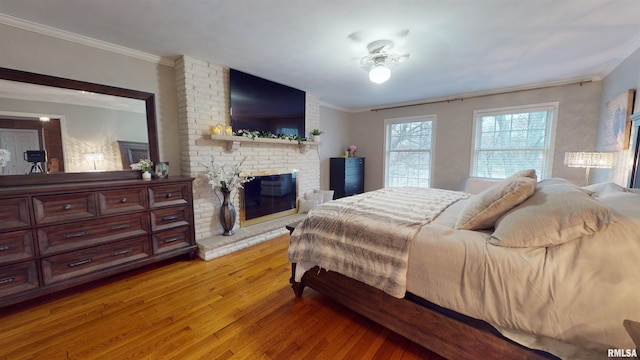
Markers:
point(569, 300)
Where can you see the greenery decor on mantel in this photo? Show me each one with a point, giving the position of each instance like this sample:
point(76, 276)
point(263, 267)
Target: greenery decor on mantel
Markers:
point(239, 136)
point(267, 135)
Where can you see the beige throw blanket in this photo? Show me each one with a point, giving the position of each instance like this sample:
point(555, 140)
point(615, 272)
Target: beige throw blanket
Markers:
point(367, 236)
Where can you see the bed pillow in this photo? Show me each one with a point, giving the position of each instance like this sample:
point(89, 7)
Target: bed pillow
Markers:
point(314, 196)
point(485, 208)
point(304, 205)
point(604, 189)
point(556, 213)
point(327, 195)
point(530, 173)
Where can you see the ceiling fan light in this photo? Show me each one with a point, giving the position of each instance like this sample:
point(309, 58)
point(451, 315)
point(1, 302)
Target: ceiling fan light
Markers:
point(379, 73)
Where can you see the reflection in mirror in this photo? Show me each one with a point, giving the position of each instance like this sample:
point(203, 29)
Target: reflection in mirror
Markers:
point(85, 124)
point(82, 132)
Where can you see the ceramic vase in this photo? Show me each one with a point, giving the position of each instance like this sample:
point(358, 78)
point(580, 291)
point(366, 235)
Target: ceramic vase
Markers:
point(227, 214)
point(146, 175)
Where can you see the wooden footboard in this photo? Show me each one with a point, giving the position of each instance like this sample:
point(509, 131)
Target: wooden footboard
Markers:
point(448, 335)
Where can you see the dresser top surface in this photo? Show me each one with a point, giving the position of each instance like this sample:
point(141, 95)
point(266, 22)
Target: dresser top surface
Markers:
point(88, 185)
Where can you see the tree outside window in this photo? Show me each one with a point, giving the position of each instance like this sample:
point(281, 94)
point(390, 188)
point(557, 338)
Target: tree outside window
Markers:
point(408, 157)
point(507, 141)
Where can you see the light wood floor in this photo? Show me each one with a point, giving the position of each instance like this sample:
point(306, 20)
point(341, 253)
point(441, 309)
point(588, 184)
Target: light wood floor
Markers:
point(236, 307)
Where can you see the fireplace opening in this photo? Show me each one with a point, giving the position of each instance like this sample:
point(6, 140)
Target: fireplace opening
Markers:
point(268, 196)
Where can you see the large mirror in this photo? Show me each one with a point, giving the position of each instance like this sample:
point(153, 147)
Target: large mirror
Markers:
point(87, 131)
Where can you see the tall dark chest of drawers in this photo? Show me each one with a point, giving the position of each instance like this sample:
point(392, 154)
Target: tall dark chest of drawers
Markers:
point(346, 176)
point(53, 237)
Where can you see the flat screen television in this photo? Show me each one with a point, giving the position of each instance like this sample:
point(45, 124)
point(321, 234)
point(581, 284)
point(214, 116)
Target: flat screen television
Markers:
point(261, 105)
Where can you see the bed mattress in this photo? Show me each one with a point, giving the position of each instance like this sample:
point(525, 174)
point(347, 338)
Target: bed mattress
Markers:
point(569, 300)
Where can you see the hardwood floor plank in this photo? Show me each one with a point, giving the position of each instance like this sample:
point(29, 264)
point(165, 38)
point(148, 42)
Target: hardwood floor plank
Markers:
point(235, 307)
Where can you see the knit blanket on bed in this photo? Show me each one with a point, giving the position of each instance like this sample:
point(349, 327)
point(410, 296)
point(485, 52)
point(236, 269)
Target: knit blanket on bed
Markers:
point(367, 236)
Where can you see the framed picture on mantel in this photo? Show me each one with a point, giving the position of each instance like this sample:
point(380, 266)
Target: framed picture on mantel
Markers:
point(617, 124)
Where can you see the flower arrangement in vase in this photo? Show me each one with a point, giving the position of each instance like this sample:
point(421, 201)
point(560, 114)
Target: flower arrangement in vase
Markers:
point(144, 165)
point(5, 157)
point(226, 179)
point(351, 150)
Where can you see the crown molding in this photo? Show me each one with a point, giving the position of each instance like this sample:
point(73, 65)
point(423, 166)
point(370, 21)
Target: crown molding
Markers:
point(83, 40)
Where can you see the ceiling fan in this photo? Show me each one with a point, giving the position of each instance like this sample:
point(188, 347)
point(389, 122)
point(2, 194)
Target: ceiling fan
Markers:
point(380, 59)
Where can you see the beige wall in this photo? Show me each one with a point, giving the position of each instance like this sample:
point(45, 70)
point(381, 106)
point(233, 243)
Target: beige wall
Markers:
point(575, 130)
point(335, 124)
point(33, 52)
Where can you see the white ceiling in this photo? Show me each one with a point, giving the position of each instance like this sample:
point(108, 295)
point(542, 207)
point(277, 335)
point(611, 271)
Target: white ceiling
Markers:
point(456, 46)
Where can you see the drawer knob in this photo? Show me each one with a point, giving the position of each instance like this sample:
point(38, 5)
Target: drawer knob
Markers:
point(123, 200)
point(66, 207)
point(4, 248)
point(80, 262)
point(168, 195)
point(7, 280)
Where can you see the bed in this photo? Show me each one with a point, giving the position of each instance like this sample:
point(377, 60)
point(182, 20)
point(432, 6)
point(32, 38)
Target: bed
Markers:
point(521, 270)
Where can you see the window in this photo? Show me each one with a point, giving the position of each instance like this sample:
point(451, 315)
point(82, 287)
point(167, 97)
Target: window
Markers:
point(513, 139)
point(408, 151)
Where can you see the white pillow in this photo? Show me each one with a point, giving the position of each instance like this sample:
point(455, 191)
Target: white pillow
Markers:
point(485, 208)
point(555, 214)
point(530, 173)
point(327, 195)
point(314, 196)
point(605, 188)
point(305, 205)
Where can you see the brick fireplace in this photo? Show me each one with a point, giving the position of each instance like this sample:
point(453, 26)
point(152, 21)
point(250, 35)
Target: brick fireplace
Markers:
point(203, 100)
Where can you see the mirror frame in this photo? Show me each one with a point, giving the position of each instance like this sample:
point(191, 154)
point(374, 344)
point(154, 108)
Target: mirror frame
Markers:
point(56, 178)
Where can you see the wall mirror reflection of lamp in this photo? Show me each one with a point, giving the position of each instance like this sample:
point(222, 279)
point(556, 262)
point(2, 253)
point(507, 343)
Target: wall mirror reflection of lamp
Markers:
point(94, 157)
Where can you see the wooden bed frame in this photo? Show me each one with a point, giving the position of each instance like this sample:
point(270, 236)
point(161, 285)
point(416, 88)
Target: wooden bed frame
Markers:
point(445, 332)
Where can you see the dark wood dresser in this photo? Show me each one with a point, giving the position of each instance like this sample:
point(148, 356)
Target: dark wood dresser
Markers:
point(346, 176)
point(53, 237)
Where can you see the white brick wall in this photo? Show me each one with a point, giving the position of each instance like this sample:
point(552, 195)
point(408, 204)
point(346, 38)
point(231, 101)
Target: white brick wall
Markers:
point(203, 101)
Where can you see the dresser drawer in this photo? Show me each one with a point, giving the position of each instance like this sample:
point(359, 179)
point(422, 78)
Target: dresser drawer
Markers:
point(87, 261)
point(16, 246)
point(17, 278)
point(353, 162)
point(171, 239)
point(167, 195)
point(62, 238)
point(122, 200)
point(14, 213)
point(163, 219)
point(57, 208)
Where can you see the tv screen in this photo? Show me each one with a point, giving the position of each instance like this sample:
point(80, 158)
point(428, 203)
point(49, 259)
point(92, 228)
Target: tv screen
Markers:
point(261, 105)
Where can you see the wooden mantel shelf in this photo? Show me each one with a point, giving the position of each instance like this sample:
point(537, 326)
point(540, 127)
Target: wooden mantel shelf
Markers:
point(233, 142)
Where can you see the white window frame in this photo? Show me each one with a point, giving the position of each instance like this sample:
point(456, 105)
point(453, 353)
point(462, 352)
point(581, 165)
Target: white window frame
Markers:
point(549, 141)
point(387, 122)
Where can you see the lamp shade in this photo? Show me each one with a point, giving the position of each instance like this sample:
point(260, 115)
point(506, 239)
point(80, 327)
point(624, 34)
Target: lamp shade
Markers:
point(590, 159)
point(379, 73)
